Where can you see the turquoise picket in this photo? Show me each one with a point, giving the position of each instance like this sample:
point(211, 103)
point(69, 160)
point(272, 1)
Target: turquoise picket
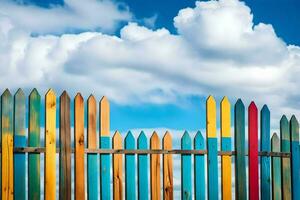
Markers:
point(276, 169)
point(130, 168)
point(19, 141)
point(105, 169)
point(240, 162)
point(186, 168)
point(295, 156)
point(143, 187)
point(199, 170)
point(265, 145)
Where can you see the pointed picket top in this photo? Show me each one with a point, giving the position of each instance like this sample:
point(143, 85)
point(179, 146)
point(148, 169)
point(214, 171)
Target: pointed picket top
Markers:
point(19, 94)
point(91, 99)
point(104, 116)
point(275, 143)
point(284, 132)
point(225, 101)
point(64, 95)
point(252, 106)
point(294, 129)
point(154, 141)
point(167, 140)
point(50, 92)
point(239, 103)
point(265, 109)
point(284, 120)
point(211, 117)
point(129, 141)
point(78, 97)
point(225, 117)
point(117, 140)
point(6, 93)
point(167, 136)
point(199, 141)
point(142, 141)
point(34, 93)
point(186, 140)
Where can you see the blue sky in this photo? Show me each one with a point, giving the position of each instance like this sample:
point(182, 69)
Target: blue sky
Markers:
point(156, 61)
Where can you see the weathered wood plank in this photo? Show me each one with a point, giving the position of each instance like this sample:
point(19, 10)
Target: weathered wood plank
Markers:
point(155, 168)
point(265, 178)
point(143, 186)
point(117, 168)
point(167, 168)
point(240, 162)
point(130, 168)
point(276, 169)
point(199, 169)
point(186, 168)
point(212, 151)
point(65, 147)
point(253, 152)
point(34, 188)
point(7, 145)
point(226, 146)
point(50, 145)
point(285, 162)
point(79, 147)
point(19, 141)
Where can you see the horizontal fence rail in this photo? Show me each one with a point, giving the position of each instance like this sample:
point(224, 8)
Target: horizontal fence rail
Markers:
point(142, 167)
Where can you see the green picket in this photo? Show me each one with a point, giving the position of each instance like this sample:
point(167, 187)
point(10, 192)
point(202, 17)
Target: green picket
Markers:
point(276, 169)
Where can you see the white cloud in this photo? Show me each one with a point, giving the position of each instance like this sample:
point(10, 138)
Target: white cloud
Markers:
point(218, 50)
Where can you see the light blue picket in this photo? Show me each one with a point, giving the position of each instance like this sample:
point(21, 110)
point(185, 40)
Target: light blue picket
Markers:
point(186, 169)
point(265, 145)
point(199, 170)
point(130, 168)
point(19, 141)
point(295, 158)
point(105, 169)
point(143, 187)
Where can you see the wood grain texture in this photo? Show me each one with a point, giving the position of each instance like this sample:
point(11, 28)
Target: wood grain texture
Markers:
point(265, 145)
point(104, 117)
point(143, 186)
point(167, 168)
point(212, 151)
point(130, 191)
point(240, 162)
point(7, 146)
point(285, 162)
point(155, 168)
point(226, 184)
point(295, 158)
point(34, 174)
point(117, 167)
point(253, 152)
point(276, 169)
point(92, 159)
point(19, 141)
point(199, 168)
point(186, 168)
point(65, 147)
point(79, 147)
point(50, 145)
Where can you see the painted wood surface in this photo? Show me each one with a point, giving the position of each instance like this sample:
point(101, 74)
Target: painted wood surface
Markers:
point(168, 192)
point(19, 141)
point(92, 159)
point(295, 156)
point(130, 168)
point(104, 144)
point(199, 168)
point(253, 152)
point(79, 147)
point(34, 188)
point(285, 162)
point(212, 148)
point(155, 168)
point(143, 186)
point(117, 167)
point(276, 169)
point(50, 145)
point(240, 162)
point(7, 174)
point(186, 168)
point(65, 147)
point(226, 184)
point(265, 145)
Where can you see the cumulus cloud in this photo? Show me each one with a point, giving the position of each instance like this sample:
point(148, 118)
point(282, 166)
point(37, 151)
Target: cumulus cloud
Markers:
point(218, 50)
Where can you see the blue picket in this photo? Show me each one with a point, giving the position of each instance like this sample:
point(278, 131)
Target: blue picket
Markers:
point(143, 187)
point(105, 169)
point(295, 158)
point(130, 168)
point(199, 170)
point(186, 168)
point(265, 177)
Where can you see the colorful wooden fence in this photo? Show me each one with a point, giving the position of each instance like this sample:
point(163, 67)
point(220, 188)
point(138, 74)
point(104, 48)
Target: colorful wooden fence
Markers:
point(145, 176)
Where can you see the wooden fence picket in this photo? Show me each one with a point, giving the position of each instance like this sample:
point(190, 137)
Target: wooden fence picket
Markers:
point(240, 162)
point(285, 162)
point(130, 167)
point(167, 168)
point(253, 152)
point(276, 169)
point(117, 167)
point(155, 168)
point(186, 168)
point(34, 173)
point(199, 168)
point(143, 187)
point(226, 146)
point(19, 141)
